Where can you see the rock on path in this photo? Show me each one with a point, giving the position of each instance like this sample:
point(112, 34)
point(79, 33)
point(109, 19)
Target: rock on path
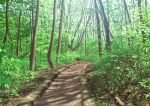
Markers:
point(66, 89)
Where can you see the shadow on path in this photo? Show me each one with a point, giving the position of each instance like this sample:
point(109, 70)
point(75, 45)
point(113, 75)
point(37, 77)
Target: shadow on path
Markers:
point(65, 90)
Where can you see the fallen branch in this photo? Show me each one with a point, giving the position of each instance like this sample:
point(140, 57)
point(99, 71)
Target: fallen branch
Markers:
point(118, 100)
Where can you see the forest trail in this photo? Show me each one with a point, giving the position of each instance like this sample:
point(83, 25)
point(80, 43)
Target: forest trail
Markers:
point(66, 88)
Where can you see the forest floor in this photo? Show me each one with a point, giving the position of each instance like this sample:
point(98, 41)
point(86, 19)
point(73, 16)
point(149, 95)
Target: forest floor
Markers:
point(131, 96)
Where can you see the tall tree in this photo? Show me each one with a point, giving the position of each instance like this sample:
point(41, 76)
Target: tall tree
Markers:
point(18, 36)
point(60, 32)
point(7, 22)
point(75, 33)
point(81, 36)
point(142, 22)
point(98, 29)
point(108, 12)
point(127, 11)
point(50, 60)
point(106, 26)
point(127, 15)
point(34, 40)
point(32, 25)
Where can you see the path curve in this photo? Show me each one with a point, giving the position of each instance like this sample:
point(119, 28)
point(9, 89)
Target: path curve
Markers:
point(66, 88)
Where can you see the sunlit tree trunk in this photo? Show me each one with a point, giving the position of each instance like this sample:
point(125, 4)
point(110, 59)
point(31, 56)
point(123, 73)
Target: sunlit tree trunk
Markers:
point(60, 32)
point(50, 60)
point(80, 38)
point(34, 40)
point(75, 33)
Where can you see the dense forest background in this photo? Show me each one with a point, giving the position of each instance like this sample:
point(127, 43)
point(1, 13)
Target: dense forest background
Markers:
point(114, 34)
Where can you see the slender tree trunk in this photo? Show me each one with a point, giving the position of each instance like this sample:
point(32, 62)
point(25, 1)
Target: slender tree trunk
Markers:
point(32, 21)
point(106, 26)
point(146, 7)
point(76, 30)
point(126, 9)
point(18, 37)
point(108, 11)
point(60, 32)
point(7, 22)
point(50, 60)
point(142, 22)
point(129, 19)
point(82, 35)
point(98, 29)
point(34, 40)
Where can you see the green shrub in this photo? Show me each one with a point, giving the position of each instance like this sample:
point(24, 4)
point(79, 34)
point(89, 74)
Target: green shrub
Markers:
point(123, 67)
point(69, 57)
point(12, 76)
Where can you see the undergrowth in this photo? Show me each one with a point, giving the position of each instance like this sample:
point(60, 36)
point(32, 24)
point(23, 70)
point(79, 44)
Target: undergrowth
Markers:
point(124, 73)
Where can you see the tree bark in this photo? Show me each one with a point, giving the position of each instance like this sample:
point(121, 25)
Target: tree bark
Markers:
point(126, 9)
point(98, 29)
point(18, 37)
point(129, 19)
point(34, 40)
point(106, 26)
point(32, 21)
point(60, 32)
point(75, 33)
point(50, 60)
point(142, 22)
point(82, 35)
point(7, 23)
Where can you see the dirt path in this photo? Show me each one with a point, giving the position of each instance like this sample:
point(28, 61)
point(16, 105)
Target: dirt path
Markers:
point(65, 90)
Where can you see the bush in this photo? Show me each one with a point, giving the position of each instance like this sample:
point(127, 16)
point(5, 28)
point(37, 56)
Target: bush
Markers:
point(12, 75)
point(68, 57)
point(121, 68)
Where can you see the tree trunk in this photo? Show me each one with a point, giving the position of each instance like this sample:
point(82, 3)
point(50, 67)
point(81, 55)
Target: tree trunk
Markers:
point(129, 19)
point(108, 11)
point(32, 21)
point(18, 37)
point(106, 26)
point(126, 9)
point(50, 60)
point(34, 40)
point(82, 35)
point(60, 32)
point(146, 8)
point(75, 33)
point(98, 29)
point(7, 23)
point(142, 22)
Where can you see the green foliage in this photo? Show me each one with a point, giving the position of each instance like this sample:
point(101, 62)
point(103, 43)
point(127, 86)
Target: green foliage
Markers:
point(69, 57)
point(146, 84)
point(123, 67)
point(12, 75)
